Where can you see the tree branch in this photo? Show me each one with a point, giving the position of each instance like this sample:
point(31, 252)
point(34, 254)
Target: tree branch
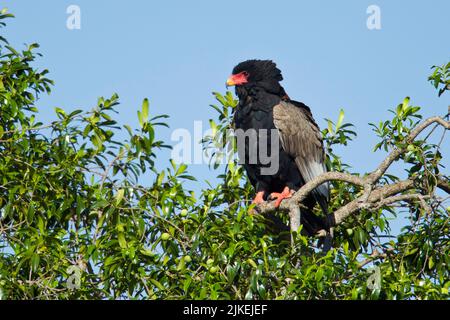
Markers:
point(304, 191)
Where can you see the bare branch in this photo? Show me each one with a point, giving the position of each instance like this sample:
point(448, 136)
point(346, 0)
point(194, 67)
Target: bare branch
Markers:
point(376, 255)
point(375, 197)
point(403, 197)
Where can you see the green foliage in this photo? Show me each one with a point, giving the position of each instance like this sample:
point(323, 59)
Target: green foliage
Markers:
point(77, 221)
point(441, 78)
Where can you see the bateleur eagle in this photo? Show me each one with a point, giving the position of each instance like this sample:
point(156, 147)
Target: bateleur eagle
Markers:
point(264, 104)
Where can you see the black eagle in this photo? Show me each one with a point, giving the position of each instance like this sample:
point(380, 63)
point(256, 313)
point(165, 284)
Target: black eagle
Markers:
point(264, 106)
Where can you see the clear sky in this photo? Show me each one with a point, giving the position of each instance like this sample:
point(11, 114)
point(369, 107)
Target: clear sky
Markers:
point(177, 52)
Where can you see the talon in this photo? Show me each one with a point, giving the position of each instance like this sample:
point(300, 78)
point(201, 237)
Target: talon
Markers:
point(259, 197)
point(285, 194)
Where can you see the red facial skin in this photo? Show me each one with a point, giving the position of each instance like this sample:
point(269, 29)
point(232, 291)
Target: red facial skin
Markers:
point(238, 79)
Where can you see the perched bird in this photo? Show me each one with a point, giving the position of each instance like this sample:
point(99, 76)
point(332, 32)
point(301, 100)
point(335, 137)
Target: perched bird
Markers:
point(265, 107)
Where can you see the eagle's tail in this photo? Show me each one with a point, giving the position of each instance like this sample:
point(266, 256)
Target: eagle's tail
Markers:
point(311, 223)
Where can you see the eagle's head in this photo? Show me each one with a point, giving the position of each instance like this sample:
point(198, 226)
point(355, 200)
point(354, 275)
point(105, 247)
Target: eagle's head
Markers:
point(252, 71)
point(256, 73)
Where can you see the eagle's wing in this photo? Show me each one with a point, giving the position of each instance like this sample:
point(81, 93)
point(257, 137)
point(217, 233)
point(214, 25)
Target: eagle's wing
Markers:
point(301, 138)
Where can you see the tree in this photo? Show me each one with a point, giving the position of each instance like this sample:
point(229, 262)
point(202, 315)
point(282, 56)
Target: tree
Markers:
point(77, 222)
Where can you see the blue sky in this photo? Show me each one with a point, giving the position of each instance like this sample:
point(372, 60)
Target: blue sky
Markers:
point(177, 52)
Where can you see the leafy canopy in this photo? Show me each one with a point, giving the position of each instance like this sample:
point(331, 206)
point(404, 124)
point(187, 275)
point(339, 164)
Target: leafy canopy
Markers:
point(78, 222)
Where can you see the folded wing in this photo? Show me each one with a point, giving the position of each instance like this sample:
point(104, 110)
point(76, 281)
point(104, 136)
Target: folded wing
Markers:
point(301, 138)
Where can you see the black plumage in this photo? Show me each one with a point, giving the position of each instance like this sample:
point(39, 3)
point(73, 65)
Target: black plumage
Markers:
point(264, 104)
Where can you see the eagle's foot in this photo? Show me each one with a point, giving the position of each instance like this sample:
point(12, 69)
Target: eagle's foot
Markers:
point(285, 194)
point(259, 197)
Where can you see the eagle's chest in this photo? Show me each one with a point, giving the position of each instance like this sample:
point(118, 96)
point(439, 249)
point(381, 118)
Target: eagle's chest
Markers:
point(254, 117)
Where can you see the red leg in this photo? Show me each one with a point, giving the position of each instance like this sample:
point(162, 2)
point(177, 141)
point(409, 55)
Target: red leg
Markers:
point(285, 194)
point(259, 197)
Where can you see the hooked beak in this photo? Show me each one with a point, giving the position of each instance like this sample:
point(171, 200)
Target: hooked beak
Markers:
point(230, 82)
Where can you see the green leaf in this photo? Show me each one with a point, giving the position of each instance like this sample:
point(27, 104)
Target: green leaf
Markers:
point(122, 241)
point(330, 127)
point(252, 263)
point(319, 274)
point(60, 111)
point(405, 103)
point(35, 259)
point(141, 119)
point(340, 120)
point(119, 196)
point(430, 263)
point(145, 113)
point(97, 141)
point(157, 284)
